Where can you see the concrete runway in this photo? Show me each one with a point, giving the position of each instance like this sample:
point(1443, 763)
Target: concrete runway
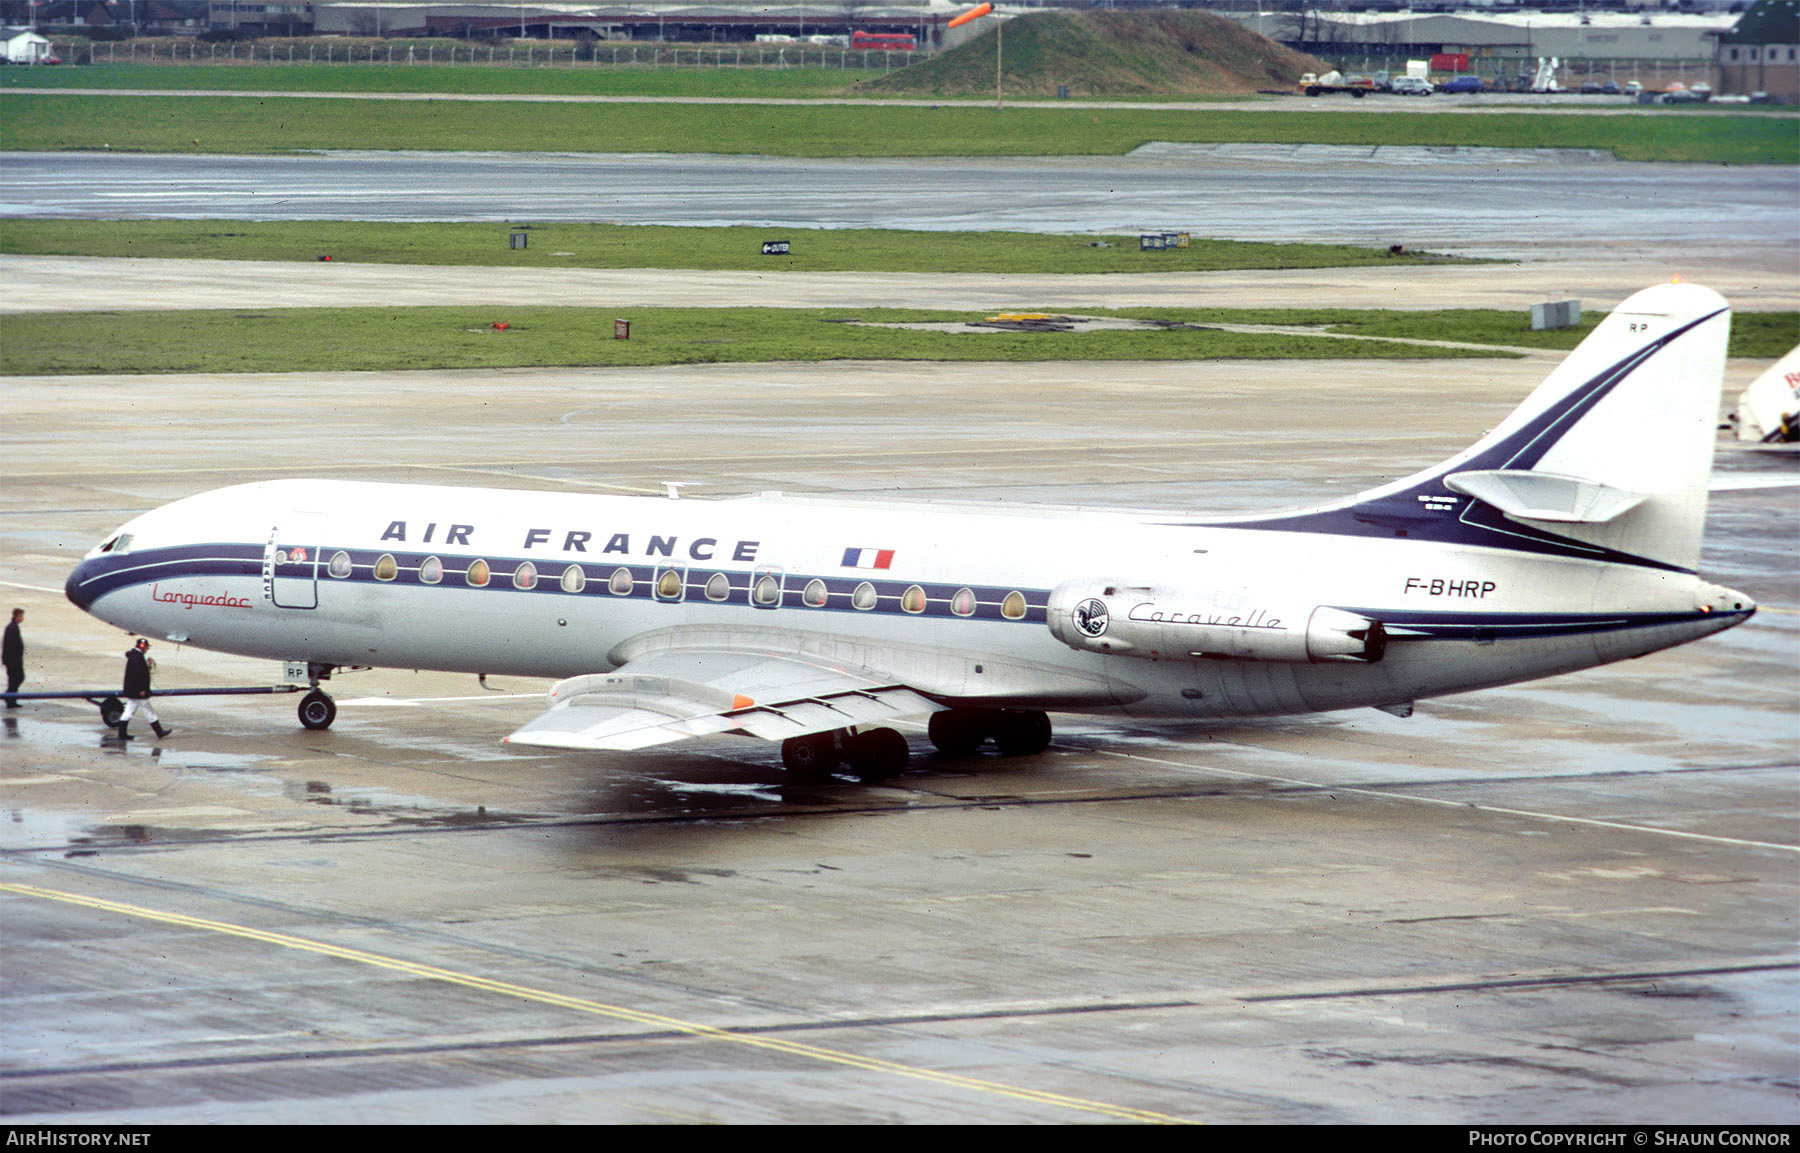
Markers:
point(1571, 901)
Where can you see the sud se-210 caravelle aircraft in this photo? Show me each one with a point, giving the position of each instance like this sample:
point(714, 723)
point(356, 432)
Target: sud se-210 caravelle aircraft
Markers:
point(1567, 537)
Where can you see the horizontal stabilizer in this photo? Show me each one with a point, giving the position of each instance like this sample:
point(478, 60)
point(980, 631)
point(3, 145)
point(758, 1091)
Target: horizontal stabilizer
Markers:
point(1544, 496)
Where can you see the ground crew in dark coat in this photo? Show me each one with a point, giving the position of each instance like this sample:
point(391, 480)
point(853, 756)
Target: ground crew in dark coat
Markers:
point(12, 655)
point(137, 691)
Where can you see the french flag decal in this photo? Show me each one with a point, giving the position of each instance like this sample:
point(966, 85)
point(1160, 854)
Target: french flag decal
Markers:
point(868, 557)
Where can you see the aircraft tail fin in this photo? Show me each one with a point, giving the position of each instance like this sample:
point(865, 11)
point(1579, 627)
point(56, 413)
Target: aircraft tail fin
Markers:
point(1614, 449)
point(1609, 458)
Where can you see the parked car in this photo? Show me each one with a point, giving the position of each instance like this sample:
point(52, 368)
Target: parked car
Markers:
point(1409, 86)
point(1461, 84)
point(1601, 88)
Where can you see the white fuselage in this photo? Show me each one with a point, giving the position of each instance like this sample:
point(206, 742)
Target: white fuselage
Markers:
point(340, 573)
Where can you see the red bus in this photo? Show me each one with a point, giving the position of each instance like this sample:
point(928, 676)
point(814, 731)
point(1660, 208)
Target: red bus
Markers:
point(893, 41)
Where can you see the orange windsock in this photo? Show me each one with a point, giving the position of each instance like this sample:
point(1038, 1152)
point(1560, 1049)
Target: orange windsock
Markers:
point(971, 14)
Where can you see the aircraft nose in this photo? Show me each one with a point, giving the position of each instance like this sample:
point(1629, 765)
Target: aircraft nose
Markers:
point(79, 588)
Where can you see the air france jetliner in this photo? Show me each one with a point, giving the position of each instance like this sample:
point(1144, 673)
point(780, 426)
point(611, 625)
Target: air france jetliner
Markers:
point(1567, 537)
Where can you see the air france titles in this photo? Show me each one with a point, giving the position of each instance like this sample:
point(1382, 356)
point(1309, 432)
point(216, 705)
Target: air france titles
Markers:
point(703, 548)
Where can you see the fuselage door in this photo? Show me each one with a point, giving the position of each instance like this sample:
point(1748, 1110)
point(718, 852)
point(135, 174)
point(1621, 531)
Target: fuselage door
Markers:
point(291, 561)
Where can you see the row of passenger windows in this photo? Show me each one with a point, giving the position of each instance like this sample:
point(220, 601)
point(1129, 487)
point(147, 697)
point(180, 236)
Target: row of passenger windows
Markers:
point(766, 590)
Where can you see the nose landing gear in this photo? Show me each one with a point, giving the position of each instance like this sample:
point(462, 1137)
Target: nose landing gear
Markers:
point(317, 710)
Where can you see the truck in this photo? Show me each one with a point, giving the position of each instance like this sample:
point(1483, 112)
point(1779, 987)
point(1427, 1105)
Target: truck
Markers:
point(893, 41)
point(1335, 81)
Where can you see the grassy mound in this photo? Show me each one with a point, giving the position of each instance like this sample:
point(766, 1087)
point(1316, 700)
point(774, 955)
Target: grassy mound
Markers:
point(1110, 53)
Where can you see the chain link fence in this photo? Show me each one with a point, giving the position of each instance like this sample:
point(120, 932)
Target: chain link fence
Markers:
point(511, 53)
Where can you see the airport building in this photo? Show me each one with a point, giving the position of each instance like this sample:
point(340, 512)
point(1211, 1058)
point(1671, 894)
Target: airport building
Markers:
point(687, 23)
point(1761, 53)
point(1504, 48)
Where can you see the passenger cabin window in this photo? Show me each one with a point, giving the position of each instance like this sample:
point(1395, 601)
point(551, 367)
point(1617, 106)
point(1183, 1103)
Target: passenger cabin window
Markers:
point(478, 574)
point(431, 570)
point(340, 564)
point(620, 584)
point(525, 575)
point(668, 585)
point(386, 567)
point(1013, 607)
point(574, 579)
point(913, 599)
point(768, 590)
point(718, 588)
point(963, 603)
point(814, 595)
point(864, 596)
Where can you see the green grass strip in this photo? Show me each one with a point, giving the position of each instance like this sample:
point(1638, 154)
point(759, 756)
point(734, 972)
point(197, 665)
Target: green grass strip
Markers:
point(382, 339)
point(374, 339)
point(648, 246)
point(260, 125)
point(388, 339)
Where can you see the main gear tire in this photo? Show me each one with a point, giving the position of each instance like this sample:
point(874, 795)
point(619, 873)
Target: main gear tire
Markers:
point(877, 755)
point(1022, 733)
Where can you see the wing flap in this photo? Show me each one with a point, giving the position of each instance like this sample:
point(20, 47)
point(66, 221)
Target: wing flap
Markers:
point(648, 702)
point(834, 711)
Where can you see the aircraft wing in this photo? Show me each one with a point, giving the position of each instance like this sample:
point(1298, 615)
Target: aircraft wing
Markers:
point(669, 695)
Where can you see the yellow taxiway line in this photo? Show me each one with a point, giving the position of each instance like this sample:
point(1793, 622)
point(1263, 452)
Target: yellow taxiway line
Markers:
point(597, 1008)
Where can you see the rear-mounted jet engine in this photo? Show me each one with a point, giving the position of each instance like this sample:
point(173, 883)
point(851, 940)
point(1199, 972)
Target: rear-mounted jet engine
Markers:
point(1167, 624)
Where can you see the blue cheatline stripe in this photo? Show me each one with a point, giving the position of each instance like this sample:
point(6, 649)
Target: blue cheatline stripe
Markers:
point(98, 576)
point(1427, 625)
point(109, 574)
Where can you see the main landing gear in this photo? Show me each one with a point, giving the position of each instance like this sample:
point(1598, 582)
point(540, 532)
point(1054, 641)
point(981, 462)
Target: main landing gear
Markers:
point(1015, 732)
point(879, 754)
point(871, 755)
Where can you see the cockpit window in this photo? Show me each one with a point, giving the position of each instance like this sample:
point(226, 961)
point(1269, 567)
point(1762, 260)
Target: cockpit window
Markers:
point(118, 544)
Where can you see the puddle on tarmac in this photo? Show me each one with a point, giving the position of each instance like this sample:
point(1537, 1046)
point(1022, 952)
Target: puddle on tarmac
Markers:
point(23, 828)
